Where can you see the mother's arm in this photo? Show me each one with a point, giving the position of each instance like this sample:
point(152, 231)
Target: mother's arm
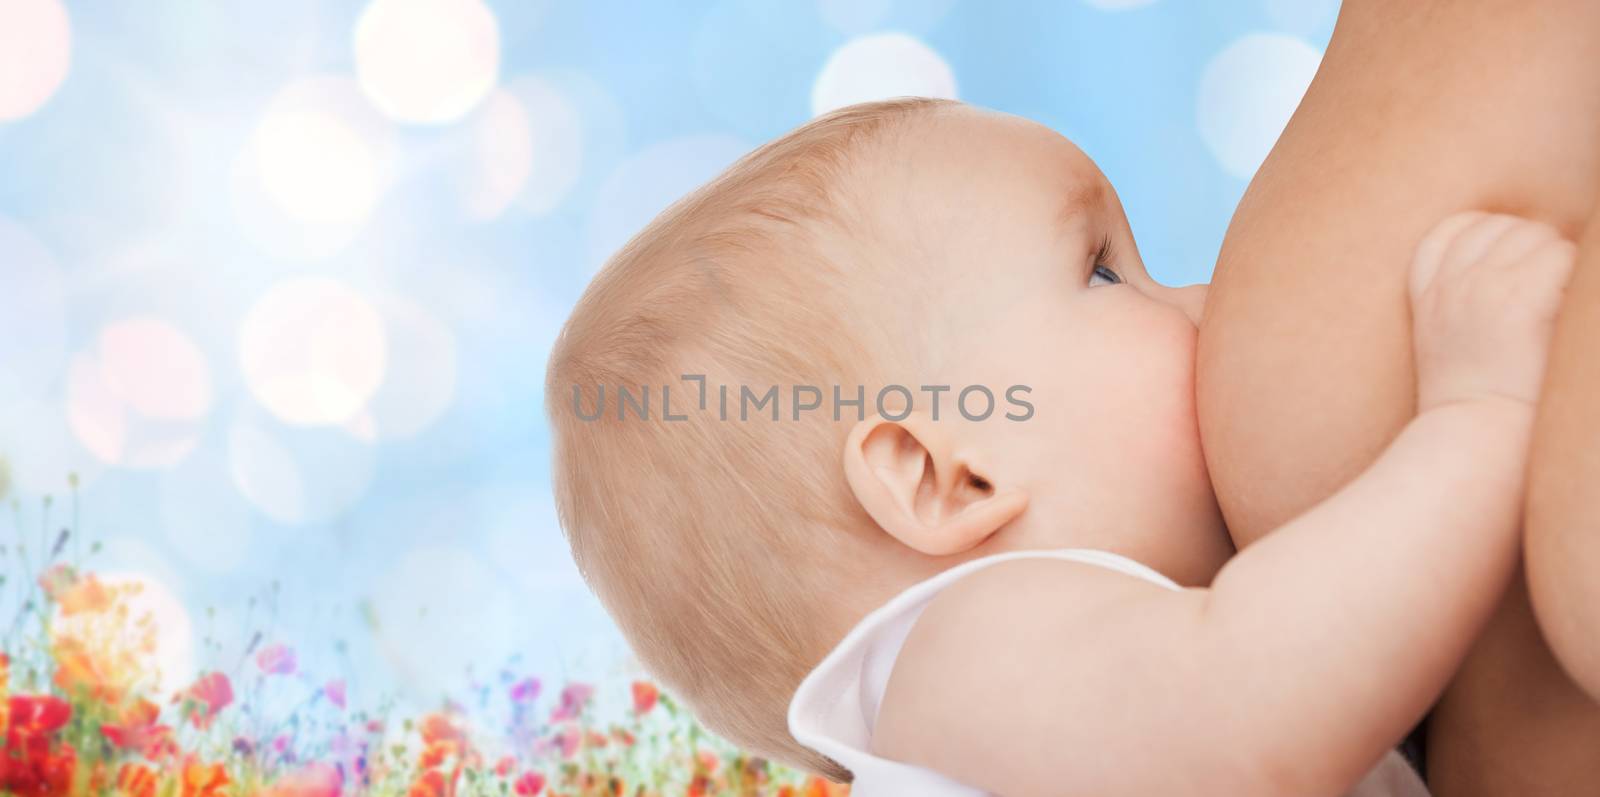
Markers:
point(1563, 510)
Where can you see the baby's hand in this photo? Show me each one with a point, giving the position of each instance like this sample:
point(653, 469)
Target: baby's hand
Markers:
point(1484, 292)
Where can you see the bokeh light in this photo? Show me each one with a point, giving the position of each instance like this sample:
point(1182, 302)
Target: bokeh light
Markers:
point(555, 139)
point(35, 54)
point(140, 397)
point(314, 169)
point(878, 67)
point(155, 368)
point(427, 61)
point(1247, 94)
point(312, 351)
point(94, 413)
point(499, 157)
point(314, 165)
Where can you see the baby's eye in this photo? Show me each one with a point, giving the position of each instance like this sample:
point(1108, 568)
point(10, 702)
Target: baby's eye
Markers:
point(1104, 273)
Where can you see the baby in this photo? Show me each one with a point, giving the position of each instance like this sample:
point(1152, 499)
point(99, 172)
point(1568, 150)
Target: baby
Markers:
point(881, 449)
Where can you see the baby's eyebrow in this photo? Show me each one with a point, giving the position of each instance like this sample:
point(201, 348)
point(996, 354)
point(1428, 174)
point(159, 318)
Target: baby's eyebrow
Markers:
point(1080, 197)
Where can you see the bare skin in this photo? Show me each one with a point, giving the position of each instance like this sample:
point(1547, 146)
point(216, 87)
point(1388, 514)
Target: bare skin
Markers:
point(1305, 371)
point(1563, 513)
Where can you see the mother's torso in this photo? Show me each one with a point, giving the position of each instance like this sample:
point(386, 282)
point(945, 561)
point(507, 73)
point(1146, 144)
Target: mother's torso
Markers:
point(1421, 108)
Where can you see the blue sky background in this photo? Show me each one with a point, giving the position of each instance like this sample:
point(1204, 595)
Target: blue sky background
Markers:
point(177, 197)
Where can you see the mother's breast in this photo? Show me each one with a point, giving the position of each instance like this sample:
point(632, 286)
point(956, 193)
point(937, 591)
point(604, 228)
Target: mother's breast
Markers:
point(1420, 109)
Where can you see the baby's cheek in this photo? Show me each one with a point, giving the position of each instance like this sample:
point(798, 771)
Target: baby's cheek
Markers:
point(1161, 397)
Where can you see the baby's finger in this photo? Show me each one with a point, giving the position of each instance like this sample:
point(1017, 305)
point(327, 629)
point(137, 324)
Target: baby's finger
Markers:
point(1519, 242)
point(1551, 260)
point(1431, 250)
point(1470, 247)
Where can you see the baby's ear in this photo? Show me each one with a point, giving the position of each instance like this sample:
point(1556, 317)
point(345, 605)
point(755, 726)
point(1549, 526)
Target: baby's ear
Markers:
point(922, 488)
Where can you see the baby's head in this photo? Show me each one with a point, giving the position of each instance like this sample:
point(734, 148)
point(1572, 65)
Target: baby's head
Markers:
point(889, 248)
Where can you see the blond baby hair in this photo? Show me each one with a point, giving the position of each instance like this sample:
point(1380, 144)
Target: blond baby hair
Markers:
point(709, 539)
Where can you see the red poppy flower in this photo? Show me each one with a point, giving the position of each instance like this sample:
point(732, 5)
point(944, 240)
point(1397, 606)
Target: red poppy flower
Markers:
point(645, 695)
point(33, 763)
point(530, 784)
point(207, 697)
point(138, 731)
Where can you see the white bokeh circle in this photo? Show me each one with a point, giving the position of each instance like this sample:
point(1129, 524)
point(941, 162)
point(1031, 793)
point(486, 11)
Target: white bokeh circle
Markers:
point(35, 54)
point(313, 351)
point(155, 368)
point(427, 61)
point(881, 66)
point(314, 169)
point(1247, 94)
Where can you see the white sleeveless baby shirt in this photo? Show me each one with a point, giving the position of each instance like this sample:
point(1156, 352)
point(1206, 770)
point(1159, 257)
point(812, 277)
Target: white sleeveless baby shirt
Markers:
point(835, 708)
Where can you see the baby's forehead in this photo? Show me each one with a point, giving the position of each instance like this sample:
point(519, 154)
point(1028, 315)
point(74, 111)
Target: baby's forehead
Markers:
point(968, 166)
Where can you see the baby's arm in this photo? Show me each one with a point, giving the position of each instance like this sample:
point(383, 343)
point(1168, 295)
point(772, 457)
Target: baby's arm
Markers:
point(1314, 650)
